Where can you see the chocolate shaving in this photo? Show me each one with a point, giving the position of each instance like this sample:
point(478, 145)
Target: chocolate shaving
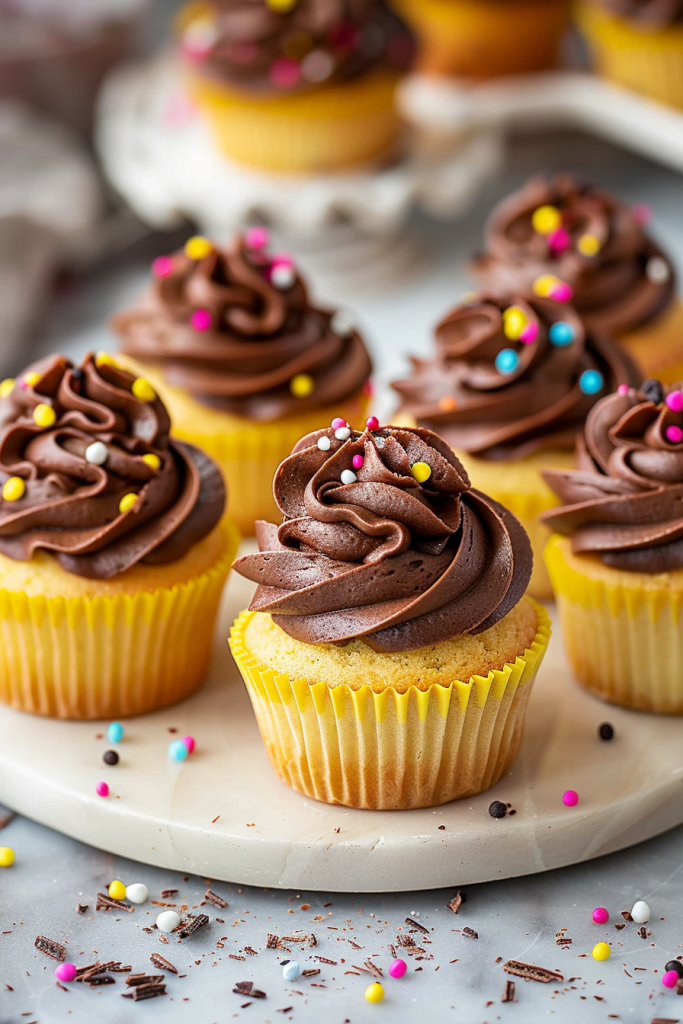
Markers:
point(407, 941)
point(50, 948)
point(144, 979)
point(82, 908)
point(105, 902)
point(162, 963)
point(246, 988)
point(90, 969)
point(532, 972)
point(643, 932)
point(457, 901)
point(665, 1020)
point(168, 892)
point(470, 933)
point(508, 992)
point(626, 914)
point(416, 924)
point(620, 925)
point(324, 960)
point(563, 940)
point(311, 972)
point(100, 979)
point(145, 992)
point(215, 899)
point(192, 925)
point(6, 817)
point(273, 941)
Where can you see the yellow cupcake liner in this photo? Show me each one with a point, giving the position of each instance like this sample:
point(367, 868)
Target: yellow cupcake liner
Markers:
point(110, 657)
point(476, 39)
point(330, 128)
point(388, 750)
point(657, 348)
point(648, 61)
point(623, 633)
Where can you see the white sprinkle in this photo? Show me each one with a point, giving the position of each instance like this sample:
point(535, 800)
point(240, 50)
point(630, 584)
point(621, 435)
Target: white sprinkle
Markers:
point(168, 921)
point(282, 276)
point(342, 433)
point(657, 270)
point(641, 912)
point(348, 476)
point(324, 443)
point(342, 323)
point(96, 453)
point(317, 66)
point(137, 892)
point(200, 35)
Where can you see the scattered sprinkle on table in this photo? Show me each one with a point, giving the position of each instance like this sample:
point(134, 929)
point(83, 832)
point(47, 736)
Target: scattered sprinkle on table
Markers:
point(137, 893)
point(498, 809)
point(66, 972)
point(6, 857)
point(640, 912)
point(570, 798)
point(115, 732)
point(110, 757)
point(177, 751)
point(606, 731)
point(601, 951)
point(600, 915)
point(374, 993)
point(102, 789)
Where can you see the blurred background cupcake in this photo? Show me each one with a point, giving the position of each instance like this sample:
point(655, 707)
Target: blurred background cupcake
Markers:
point(297, 85)
point(243, 360)
point(623, 284)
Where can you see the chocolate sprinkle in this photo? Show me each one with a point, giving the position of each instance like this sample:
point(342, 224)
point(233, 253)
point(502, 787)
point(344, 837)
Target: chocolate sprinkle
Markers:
point(498, 809)
point(626, 914)
point(192, 925)
point(470, 933)
point(100, 979)
point(145, 992)
point(105, 902)
point(213, 897)
point(144, 979)
point(606, 731)
point(246, 988)
point(457, 901)
point(532, 972)
point(82, 908)
point(110, 757)
point(50, 948)
point(162, 963)
point(653, 391)
point(311, 972)
point(416, 924)
point(508, 992)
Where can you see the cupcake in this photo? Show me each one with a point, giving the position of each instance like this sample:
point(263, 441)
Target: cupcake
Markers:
point(509, 389)
point(638, 44)
point(297, 86)
point(243, 360)
point(616, 557)
point(486, 38)
point(389, 651)
point(113, 547)
point(623, 284)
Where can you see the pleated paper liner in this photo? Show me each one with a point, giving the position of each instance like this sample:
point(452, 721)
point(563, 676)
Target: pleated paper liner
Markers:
point(622, 631)
point(389, 750)
point(111, 657)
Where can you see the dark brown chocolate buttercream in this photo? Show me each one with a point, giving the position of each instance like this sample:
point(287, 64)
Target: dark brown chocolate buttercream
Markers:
point(468, 394)
point(382, 557)
point(258, 338)
point(70, 505)
point(647, 13)
point(625, 501)
point(626, 283)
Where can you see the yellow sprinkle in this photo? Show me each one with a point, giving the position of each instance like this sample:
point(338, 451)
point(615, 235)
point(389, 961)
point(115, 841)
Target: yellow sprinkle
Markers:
point(302, 385)
point(421, 471)
point(143, 390)
point(447, 403)
point(514, 322)
point(198, 248)
point(6, 857)
point(588, 245)
point(104, 359)
point(281, 6)
point(31, 379)
point(128, 502)
point(117, 890)
point(7, 387)
point(374, 993)
point(544, 284)
point(546, 219)
point(44, 415)
point(13, 489)
point(152, 460)
point(601, 951)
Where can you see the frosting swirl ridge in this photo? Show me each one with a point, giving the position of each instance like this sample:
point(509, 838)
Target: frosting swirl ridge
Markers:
point(88, 471)
point(398, 551)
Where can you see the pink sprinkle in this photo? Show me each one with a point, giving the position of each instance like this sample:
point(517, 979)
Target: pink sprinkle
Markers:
point(338, 422)
point(162, 266)
point(344, 36)
point(66, 972)
point(285, 73)
point(529, 334)
point(670, 979)
point(674, 400)
point(201, 320)
point(642, 213)
point(561, 292)
point(373, 423)
point(257, 238)
point(369, 388)
point(559, 240)
point(398, 968)
point(179, 111)
point(102, 789)
point(623, 389)
point(674, 434)
point(282, 259)
point(189, 743)
point(358, 461)
point(570, 798)
point(600, 915)
point(195, 52)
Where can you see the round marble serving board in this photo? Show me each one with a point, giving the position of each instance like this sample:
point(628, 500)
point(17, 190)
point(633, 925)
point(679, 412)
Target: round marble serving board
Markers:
point(223, 813)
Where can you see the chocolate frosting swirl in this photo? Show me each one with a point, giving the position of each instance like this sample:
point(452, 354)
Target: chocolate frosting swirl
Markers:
point(626, 283)
point(254, 340)
point(480, 409)
point(251, 46)
point(381, 557)
point(70, 504)
point(625, 501)
point(647, 13)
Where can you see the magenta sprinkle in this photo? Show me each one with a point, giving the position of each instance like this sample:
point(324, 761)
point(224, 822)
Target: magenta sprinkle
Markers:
point(642, 213)
point(559, 240)
point(369, 388)
point(398, 968)
point(282, 259)
point(67, 972)
point(338, 422)
point(570, 798)
point(102, 789)
point(358, 461)
point(529, 334)
point(162, 266)
point(201, 320)
point(600, 915)
point(561, 292)
point(670, 979)
point(285, 73)
point(674, 434)
point(675, 401)
point(623, 389)
point(189, 743)
point(257, 238)
point(373, 423)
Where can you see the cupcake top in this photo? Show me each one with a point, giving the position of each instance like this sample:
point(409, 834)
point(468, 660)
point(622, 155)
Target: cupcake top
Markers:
point(620, 278)
point(235, 328)
point(624, 502)
point(383, 539)
point(646, 13)
point(88, 471)
point(512, 376)
point(289, 46)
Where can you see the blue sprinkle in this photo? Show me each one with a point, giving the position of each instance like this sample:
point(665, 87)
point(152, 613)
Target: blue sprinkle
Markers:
point(591, 381)
point(507, 361)
point(562, 333)
point(291, 970)
point(177, 750)
point(115, 732)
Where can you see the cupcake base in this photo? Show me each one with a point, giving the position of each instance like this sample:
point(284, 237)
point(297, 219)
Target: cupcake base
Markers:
point(657, 348)
point(623, 631)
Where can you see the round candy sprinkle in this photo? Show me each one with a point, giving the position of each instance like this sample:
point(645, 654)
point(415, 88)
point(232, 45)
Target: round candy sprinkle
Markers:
point(152, 460)
point(546, 219)
point(600, 915)
point(642, 213)
point(653, 390)
point(561, 333)
point(559, 241)
point(96, 453)
point(421, 471)
point(561, 292)
point(498, 809)
point(358, 461)
point(143, 390)
point(529, 333)
point(675, 965)
point(591, 381)
point(514, 322)
point(31, 379)
point(674, 401)
point(102, 789)
point(324, 443)
point(570, 798)
point(342, 323)
point(137, 893)
point(127, 503)
point(606, 731)
point(674, 434)
point(374, 993)
point(372, 423)
point(657, 270)
point(285, 73)
point(588, 245)
point(162, 267)
point(117, 890)
point(7, 387)
point(398, 968)
point(291, 970)
point(601, 951)
point(348, 476)
point(189, 742)
point(177, 751)
point(257, 238)
point(168, 921)
point(507, 361)
point(338, 422)
point(198, 248)
point(102, 359)
point(640, 912)
point(13, 489)
point(544, 284)
point(201, 320)
point(282, 276)
point(115, 732)
point(66, 972)
point(342, 433)
point(302, 385)
point(6, 857)
point(623, 389)
point(281, 6)
point(44, 415)
point(670, 979)
point(110, 757)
